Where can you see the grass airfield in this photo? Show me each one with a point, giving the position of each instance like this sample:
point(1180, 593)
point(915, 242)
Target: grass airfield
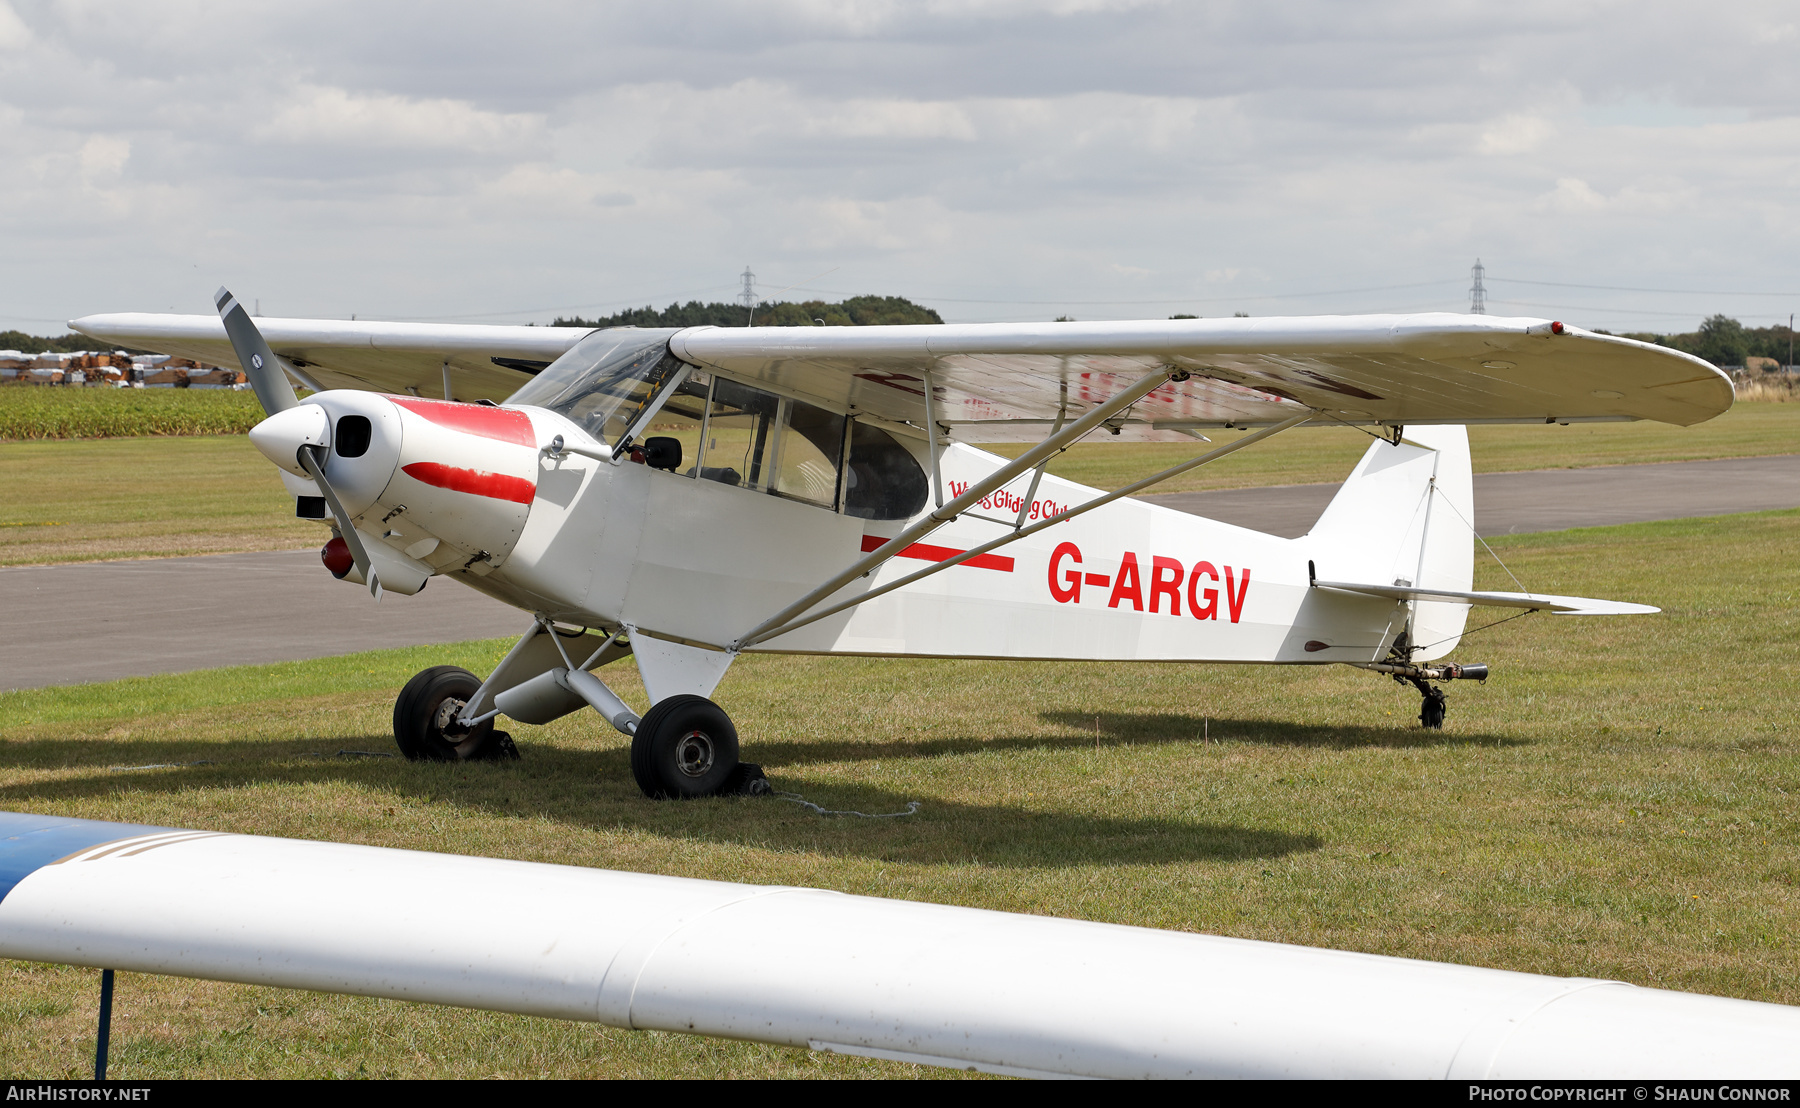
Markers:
point(1618, 802)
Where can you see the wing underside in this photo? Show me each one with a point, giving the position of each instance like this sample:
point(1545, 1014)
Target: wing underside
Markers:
point(1012, 382)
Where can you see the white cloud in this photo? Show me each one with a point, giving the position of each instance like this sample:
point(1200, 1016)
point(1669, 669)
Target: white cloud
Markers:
point(1514, 134)
point(103, 157)
point(14, 35)
point(892, 119)
point(338, 117)
point(1570, 195)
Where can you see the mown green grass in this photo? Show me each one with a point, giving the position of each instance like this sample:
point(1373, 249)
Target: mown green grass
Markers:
point(1618, 802)
point(142, 498)
point(162, 497)
point(28, 412)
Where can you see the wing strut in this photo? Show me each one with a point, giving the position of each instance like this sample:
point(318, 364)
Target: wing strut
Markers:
point(770, 628)
point(1042, 452)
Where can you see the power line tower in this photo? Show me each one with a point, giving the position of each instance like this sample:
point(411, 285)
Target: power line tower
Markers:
point(1477, 291)
point(748, 296)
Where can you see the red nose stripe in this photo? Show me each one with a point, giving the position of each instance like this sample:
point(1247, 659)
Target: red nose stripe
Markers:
point(473, 481)
point(503, 424)
point(925, 552)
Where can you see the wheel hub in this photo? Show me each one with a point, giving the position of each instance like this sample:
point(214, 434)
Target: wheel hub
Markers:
point(694, 753)
point(444, 719)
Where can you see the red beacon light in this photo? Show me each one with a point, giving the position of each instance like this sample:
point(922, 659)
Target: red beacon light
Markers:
point(1556, 327)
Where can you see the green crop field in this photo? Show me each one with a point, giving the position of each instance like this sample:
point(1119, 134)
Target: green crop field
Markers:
point(1618, 802)
point(36, 412)
point(72, 501)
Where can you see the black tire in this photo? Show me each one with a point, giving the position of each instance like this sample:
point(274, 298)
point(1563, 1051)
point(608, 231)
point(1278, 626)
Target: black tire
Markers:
point(1433, 708)
point(422, 714)
point(684, 747)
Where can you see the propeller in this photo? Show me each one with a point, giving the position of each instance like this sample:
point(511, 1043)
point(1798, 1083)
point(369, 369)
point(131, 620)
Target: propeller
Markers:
point(273, 390)
point(276, 395)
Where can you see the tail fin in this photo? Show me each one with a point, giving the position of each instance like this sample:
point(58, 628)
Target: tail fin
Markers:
point(1406, 516)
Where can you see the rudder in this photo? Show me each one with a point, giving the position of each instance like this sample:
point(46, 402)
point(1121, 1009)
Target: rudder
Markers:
point(1406, 516)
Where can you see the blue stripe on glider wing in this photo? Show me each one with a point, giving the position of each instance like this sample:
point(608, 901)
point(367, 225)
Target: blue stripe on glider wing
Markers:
point(29, 842)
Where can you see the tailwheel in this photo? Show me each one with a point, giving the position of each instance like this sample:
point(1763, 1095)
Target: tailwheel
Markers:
point(684, 747)
point(425, 726)
point(1432, 707)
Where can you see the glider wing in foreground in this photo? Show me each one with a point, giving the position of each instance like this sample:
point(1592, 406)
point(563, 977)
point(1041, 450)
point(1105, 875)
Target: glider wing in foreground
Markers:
point(924, 983)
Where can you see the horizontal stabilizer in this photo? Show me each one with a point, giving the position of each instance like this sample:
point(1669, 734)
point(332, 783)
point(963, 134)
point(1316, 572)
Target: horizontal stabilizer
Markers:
point(1560, 605)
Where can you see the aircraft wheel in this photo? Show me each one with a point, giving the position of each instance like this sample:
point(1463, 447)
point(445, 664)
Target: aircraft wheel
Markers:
point(425, 714)
point(684, 747)
point(1432, 708)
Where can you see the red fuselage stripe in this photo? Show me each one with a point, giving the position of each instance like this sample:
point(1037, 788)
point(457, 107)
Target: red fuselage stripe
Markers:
point(928, 553)
point(502, 424)
point(499, 486)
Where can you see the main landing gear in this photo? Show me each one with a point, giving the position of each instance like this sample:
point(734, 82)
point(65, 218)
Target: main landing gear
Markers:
point(425, 724)
point(684, 747)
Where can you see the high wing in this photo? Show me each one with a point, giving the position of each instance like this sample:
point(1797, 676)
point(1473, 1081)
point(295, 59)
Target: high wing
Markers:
point(1012, 382)
point(357, 354)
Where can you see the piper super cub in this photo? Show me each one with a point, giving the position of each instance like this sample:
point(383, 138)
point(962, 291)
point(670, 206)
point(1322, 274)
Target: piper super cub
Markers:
point(687, 495)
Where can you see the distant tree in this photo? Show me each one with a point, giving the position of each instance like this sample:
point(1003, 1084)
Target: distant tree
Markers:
point(1064, 319)
point(1722, 341)
point(1240, 315)
point(1183, 315)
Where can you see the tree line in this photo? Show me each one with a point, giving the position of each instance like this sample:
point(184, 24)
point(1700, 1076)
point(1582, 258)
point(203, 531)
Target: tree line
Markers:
point(857, 311)
point(1724, 341)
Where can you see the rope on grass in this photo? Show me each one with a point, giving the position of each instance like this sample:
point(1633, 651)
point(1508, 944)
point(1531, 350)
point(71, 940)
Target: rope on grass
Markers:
point(158, 765)
point(795, 798)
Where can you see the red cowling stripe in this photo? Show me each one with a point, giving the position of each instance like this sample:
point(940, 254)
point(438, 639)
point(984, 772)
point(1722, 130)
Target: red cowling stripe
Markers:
point(473, 481)
point(928, 553)
point(504, 424)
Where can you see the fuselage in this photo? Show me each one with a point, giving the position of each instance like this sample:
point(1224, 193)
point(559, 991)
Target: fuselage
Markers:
point(468, 491)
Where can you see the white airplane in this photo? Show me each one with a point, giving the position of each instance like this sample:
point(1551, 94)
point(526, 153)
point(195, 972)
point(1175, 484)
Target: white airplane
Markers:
point(688, 495)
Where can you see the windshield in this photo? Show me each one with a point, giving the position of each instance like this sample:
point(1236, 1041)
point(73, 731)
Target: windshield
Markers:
point(605, 379)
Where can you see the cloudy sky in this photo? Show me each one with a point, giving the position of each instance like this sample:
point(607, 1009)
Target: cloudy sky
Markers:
point(996, 159)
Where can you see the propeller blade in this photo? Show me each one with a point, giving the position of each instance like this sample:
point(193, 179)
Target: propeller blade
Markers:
point(347, 529)
point(271, 384)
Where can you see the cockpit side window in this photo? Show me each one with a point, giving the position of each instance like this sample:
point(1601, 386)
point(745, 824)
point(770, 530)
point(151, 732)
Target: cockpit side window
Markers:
point(604, 380)
point(742, 435)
